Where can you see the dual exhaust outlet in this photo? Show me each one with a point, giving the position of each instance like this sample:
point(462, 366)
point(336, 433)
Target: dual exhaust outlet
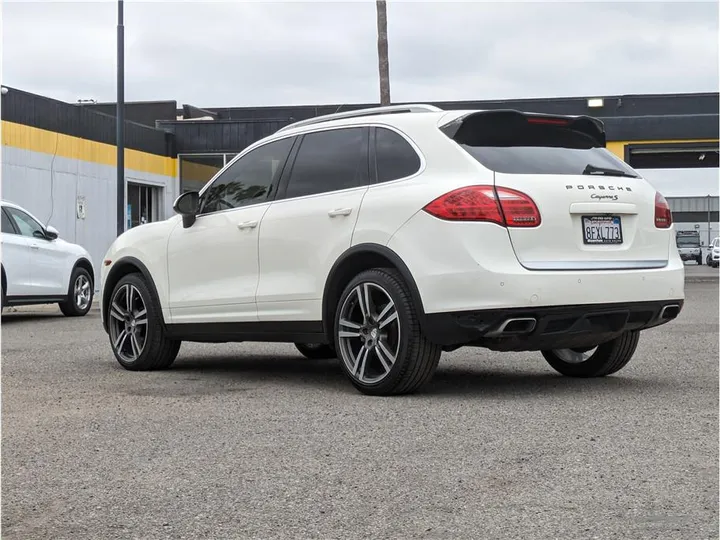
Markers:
point(524, 325)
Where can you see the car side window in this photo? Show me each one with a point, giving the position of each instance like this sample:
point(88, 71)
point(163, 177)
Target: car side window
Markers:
point(330, 161)
point(248, 180)
point(394, 157)
point(25, 224)
point(7, 226)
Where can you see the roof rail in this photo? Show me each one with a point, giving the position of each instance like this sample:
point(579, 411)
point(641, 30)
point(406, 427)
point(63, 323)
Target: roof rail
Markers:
point(389, 109)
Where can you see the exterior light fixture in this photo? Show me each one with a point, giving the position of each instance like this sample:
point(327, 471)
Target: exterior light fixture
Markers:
point(596, 102)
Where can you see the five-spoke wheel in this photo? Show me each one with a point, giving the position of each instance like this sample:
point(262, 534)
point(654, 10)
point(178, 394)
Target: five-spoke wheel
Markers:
point(378, 336)
point(80, 294)
point(135, 328)
point(128, 323)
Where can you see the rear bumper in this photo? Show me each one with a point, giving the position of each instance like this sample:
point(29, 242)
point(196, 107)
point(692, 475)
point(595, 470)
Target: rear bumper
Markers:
point(540, 328)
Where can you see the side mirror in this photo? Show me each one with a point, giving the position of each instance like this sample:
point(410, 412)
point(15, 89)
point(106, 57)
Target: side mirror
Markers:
point(51, 233)
point(187, 205)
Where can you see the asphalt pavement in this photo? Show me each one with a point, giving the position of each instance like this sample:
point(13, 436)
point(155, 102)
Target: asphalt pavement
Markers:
point(253, 441)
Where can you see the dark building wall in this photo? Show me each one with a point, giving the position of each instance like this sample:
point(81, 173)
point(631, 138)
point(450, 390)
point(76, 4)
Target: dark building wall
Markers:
point(218, 136)
point(69, 119)
point(140, 112)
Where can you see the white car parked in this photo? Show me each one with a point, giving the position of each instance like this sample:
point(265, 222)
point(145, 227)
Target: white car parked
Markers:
point(713, 258)
point(389, 235)
point(40, 268)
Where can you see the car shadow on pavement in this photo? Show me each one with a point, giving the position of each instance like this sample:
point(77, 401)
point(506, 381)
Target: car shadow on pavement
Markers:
point(447, 382)
point(12, 318)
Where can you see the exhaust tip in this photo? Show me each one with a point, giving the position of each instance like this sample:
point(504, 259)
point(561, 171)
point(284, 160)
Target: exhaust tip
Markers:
point(516, 326)
point(670, 312)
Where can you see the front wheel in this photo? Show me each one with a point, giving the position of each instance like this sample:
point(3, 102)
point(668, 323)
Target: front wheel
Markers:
point(378, 336)
point(135, 327)
point(599, 361)
point(80, 294)
point(316, 351)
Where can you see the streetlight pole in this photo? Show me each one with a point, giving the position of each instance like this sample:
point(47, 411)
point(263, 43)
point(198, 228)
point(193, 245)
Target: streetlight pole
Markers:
point(120, 121)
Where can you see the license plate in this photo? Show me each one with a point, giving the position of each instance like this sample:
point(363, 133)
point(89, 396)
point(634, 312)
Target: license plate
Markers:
point(602, 230)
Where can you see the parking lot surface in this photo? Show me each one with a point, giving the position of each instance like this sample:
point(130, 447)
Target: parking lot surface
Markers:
point(253, 441)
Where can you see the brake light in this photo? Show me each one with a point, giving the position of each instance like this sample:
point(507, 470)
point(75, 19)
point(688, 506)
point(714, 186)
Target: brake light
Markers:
point(663, 215)
point(551, 121)
point(501, 205)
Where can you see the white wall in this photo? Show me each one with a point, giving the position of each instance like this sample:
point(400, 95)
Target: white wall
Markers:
point(27, 180)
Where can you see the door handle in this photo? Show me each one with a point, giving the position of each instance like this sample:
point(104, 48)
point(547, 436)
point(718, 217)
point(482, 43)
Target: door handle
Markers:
point(34, 246)
point(340, 212)
point(247, 225)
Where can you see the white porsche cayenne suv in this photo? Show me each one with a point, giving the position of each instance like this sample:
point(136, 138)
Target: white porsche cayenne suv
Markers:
point(386, 236)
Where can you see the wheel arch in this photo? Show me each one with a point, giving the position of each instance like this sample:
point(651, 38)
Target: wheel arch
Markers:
point(123, 267)
point(353, 261)
point(85, 264)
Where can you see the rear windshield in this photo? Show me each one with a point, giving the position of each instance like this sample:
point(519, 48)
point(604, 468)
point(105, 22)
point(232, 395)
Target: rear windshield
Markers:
point(510, 144)
point(688, 241)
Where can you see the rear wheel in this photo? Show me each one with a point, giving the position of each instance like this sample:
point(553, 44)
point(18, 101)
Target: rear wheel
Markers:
point(708, 260)
point(699, 260)
point(135, 327)
point(316, 351)
point(378, 336)
point(80, 294)
point(599, 361)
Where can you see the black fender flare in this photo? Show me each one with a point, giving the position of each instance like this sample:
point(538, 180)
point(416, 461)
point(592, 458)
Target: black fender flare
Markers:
point(118, 268)
point(375, 249)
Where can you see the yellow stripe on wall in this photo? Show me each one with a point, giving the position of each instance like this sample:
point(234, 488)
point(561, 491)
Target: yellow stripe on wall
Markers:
point(618, 147)
point(67, 146)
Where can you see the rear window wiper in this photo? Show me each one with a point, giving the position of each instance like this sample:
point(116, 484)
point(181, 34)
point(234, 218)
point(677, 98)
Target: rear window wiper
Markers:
point(602, 171)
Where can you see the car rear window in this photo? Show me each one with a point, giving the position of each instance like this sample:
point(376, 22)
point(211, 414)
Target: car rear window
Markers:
point(514, 143)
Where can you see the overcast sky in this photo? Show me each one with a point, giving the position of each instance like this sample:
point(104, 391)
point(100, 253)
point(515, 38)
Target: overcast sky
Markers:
point(268, 53)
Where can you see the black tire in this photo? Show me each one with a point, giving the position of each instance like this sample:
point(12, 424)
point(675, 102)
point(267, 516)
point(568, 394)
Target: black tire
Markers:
point(708, 260)
point(416, 357)
point(72, 306)
point(699, 260)
point(316, 351)
point(157, 352)
point(607, 359)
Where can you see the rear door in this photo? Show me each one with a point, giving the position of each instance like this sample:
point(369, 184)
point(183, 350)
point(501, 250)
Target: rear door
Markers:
point(311, 223)
point(596, 212)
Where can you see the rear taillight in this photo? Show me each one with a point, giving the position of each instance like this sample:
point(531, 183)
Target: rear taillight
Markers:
point(663, 215)
point(501, 205)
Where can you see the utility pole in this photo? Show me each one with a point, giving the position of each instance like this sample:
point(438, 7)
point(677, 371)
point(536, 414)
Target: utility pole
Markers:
point(120, 120)
point(383, 59)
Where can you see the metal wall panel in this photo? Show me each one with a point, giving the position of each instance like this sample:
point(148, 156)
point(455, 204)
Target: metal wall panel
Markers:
point(49, 190)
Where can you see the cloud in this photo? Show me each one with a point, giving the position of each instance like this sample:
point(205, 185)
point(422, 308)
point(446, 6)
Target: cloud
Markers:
point(272, 53)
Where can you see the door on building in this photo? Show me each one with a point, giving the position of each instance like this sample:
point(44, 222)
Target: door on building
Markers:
point(143, 204)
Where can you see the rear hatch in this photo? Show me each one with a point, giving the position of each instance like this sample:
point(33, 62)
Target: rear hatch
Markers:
point(595, 211)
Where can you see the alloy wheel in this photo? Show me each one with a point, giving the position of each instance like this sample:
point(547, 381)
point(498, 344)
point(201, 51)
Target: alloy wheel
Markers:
point(574, 356)
point(82, 292)
point(369, 333)
point(128, 323)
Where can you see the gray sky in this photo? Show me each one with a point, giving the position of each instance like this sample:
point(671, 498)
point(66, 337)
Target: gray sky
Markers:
point(272, 53)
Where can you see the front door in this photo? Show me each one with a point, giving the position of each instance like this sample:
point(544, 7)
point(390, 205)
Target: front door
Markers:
point(213, 264)
point(49, 265)
point(15, 259)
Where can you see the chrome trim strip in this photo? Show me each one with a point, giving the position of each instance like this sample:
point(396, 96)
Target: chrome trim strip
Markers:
point(594, 265)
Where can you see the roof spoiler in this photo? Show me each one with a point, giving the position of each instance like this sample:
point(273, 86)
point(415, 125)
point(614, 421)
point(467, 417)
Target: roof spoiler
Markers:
point(587, 125)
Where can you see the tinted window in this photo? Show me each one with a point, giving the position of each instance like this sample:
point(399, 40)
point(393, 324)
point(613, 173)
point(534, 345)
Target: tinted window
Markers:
point(6, 225)
point(25, 224)
point(249, 180)
point(394, 156)
point(514, 144)
point(329, 161)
